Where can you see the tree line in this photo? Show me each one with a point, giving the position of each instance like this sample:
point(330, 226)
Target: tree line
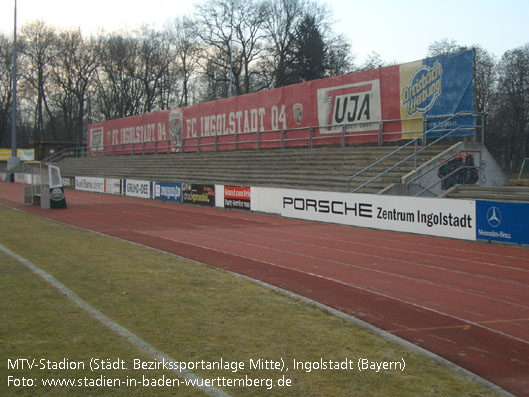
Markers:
point(227, 47)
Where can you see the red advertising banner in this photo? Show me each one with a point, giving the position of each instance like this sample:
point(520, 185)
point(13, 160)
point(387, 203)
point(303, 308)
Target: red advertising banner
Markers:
point(237, 197)
point(357, 107)
point(351, 103)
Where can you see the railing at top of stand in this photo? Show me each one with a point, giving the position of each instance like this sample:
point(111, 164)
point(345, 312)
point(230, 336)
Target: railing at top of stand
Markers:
point(423, 137)
point(257, 139)
point(241, 140)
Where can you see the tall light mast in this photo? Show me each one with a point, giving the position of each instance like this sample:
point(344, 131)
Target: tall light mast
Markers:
point(14, 160)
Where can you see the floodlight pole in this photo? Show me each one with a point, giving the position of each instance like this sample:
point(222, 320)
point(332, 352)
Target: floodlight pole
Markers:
point(14, 120)
point(14, 160)
point(230, 86)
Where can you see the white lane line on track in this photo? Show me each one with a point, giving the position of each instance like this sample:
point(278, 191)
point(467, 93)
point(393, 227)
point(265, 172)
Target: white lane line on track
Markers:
point(419, 264)
point(151, 221)
point(360, 267)
point(356, 287)
point(134, 339)
point(432, 244)
point(296, 223)
point(323, 236)
point(191, 212)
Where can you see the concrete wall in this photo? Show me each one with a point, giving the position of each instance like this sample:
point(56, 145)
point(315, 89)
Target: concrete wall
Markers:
point(463, 163)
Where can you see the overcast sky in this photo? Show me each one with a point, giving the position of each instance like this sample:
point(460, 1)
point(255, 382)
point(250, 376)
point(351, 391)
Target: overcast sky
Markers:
point(400, 31)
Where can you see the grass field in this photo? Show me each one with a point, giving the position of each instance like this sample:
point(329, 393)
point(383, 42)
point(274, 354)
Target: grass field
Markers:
point(191, 312)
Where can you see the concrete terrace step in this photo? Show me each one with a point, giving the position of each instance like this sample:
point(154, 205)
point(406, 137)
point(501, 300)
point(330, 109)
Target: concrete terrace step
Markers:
point(494, 193)
point(321, 168)
point(345, 169)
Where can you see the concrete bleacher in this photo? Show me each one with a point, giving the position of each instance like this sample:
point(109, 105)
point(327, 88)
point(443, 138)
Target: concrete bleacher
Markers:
point(490, 193)
point(325, 169)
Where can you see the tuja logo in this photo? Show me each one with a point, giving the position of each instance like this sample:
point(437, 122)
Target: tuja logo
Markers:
point(423, 90)
point(353, 107)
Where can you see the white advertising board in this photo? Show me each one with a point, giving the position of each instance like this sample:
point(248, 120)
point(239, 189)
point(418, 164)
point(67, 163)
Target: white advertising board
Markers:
point(90, 184)
point(264, 199)
point(137, 188)
point(113, 186)
point(219, 196)
point(436, 217)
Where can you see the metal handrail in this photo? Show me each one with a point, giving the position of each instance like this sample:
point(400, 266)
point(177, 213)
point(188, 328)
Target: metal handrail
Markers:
point(521, 169)
point(416, 152)
point(59, 155)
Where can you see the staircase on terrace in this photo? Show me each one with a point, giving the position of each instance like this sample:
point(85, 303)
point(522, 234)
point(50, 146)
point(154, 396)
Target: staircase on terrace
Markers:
point(326, 169)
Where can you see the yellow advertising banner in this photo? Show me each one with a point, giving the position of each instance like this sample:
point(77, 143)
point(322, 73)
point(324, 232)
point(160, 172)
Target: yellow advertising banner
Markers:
point(22, 154)
point(5, 154)
point(412, 125)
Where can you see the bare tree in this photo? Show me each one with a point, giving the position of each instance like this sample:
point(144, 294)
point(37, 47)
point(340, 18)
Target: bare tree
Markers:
point(373, 61)
point(117, 93)
point(73, 74)
point(485, 79)
point(340, 58)
point(513, 111)
point(39, 40)
point(230, 30)
point(283, 17)
point(185, 45)
point(297, 30)
point(214, 78)
point(6, 89)
point(215, 20)
point(249, 17)
point(444, 47)
point(153, 64)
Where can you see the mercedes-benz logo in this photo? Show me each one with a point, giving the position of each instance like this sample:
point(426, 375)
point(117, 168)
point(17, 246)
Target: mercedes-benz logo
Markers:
point(494, 216)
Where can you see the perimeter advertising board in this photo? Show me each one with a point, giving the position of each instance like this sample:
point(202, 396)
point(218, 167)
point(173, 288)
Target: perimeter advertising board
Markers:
point(501, 221)
point(22, 154)
point(435, 217)
point(113, 186)
point(198, 194)
point(237, 197)
point(90, 184)
point(167, 191)
point(137, 188)
point(98, 185)
point(354, 104)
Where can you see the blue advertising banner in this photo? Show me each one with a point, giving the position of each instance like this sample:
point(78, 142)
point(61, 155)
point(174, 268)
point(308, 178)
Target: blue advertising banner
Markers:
point(502, 221)
point(167, 191)
point(437, 87)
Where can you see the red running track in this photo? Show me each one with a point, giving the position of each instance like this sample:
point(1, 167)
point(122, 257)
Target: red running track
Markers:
point(467, 302)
